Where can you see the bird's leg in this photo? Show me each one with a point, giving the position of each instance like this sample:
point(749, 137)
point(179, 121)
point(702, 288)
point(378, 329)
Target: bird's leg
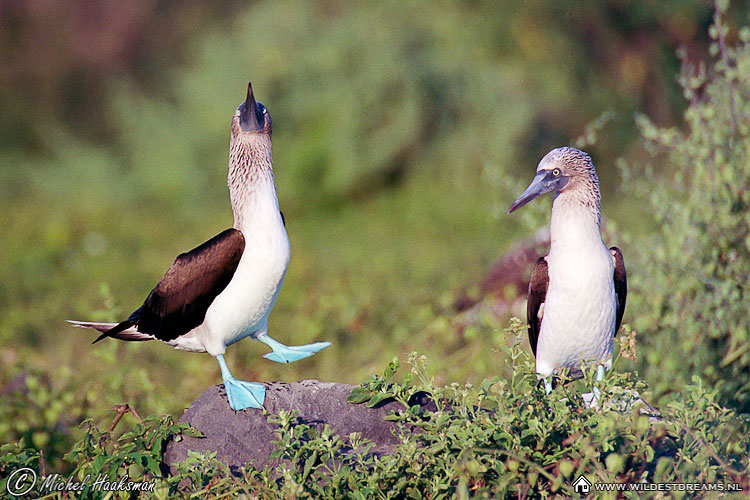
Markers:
point(599, 378)
point(593, 402)
point(547, 385)
point(241, 394)
point(286, 354)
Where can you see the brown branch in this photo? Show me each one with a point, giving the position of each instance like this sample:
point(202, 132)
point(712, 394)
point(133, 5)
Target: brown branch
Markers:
point(135, 414)
point(42, 463)
point(120, 410)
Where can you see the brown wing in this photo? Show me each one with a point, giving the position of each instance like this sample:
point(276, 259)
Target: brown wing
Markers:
point(535, 300)
point(180, 301)
point(621, 285)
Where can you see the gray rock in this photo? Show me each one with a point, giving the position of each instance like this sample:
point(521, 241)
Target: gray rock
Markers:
point(246, 437)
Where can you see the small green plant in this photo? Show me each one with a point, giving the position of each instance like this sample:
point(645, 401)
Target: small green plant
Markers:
point(381, 388)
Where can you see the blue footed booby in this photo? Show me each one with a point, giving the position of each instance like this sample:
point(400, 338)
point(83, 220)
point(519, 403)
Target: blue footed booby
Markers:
point(223, 290)
point(577, 292)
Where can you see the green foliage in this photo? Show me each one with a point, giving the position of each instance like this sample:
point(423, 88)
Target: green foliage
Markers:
point(98, 456)
point(15, 456)
point(502, 439)
point(41, 414)
point(507, 438)
point(689, 288)
point(135, 453)
point(380, 388)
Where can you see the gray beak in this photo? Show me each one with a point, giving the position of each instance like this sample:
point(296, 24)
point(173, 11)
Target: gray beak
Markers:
point(251, 116)
point(544, 182)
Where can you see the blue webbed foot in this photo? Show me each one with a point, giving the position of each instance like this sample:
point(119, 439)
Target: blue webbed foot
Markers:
point(241, 394)
point(286, 354)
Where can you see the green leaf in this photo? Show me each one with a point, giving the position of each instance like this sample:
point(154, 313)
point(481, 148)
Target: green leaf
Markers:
point(309, 463)
point(98, 463)
point(153, 466)
point(359, 395)
point(391, 369)
point(378, 398)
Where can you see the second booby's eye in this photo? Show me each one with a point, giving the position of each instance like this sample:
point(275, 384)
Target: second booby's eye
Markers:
point(555, 172)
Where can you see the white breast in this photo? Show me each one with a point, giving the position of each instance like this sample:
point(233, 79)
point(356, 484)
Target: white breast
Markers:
point(243, 307)
point(579, 310)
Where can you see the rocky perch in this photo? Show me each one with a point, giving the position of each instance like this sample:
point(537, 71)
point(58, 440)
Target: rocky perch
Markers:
point(246, 437)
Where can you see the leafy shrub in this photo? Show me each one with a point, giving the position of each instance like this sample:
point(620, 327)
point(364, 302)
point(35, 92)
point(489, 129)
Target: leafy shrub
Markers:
point(502, 439)
point(690, 281)
point(40, 414)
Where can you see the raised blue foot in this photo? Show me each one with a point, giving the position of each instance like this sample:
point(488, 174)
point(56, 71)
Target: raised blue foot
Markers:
point(286, 354)
point(241, 394)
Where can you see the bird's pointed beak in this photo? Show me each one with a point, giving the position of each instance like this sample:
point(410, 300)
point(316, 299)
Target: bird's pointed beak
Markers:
point(251, 117)
point(544, 182)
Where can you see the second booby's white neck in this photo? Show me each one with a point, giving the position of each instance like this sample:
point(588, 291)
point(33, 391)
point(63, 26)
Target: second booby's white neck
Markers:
point(574, 225)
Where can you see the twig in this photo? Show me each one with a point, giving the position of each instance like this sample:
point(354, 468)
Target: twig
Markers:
point(121, 410)
point(711, 451)
point(525, 492)
point(42, 463)
point(135, 414)
point(531, 464)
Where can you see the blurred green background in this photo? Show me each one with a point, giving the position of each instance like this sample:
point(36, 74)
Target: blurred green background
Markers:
point(402, 132)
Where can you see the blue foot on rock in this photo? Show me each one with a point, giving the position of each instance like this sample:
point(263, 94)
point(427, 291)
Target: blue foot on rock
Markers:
point(286, 354)
point(241, 394)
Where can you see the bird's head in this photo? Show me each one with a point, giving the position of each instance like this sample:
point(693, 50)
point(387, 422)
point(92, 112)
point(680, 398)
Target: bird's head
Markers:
point(249, 145)
point(251, 121)
point(561, 170)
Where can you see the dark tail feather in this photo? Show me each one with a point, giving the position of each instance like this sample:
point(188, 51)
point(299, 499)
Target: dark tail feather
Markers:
point(121, 331)
point(118, 332)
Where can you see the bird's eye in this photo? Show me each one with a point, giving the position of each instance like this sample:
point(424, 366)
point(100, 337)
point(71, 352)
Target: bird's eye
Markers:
point(555, 172)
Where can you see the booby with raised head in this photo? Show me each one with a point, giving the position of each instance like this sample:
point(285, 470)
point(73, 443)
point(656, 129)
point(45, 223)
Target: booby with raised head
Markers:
point(223, 290)
point(577, 292)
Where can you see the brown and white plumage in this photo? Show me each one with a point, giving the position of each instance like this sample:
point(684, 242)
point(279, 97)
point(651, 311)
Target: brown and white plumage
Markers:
point(180, 300)
point(577, 292)
point(223, 290)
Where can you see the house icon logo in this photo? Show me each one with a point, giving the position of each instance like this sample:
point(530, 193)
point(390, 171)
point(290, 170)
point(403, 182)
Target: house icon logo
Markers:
point(582, 485)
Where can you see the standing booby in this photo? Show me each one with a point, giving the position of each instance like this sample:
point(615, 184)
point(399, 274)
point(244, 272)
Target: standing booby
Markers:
point(223, 290)
point(577, 292)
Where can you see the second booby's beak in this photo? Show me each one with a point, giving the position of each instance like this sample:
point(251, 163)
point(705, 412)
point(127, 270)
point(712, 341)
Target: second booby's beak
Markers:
point(251, 115)
point(544, 181)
